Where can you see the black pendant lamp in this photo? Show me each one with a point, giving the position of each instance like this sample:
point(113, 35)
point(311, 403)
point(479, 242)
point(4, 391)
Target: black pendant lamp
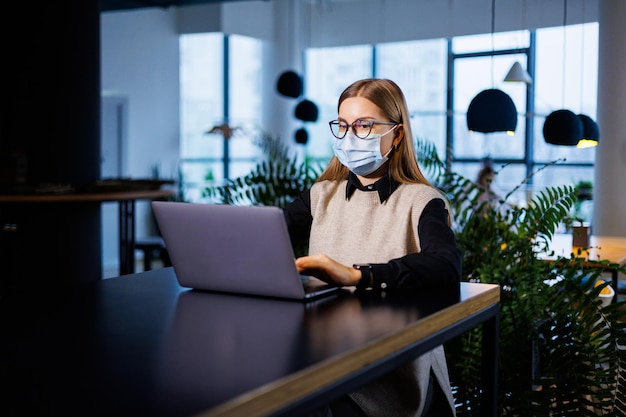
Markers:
point(563, 127)
point(289, 84)
point(591, 132)
point(490, 111)
point(302, 136)
point(306, 111)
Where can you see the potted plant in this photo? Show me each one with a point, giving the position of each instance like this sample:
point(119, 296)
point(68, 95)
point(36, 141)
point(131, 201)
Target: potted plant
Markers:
point(561, 348)
point(580, 230)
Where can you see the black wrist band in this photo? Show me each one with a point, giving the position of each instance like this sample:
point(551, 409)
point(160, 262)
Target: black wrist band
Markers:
point(367, 276)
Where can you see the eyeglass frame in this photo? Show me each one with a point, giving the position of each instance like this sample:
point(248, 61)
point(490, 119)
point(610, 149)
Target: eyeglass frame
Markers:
point(352, 125)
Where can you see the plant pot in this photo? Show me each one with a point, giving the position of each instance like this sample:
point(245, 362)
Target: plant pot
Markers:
point(580, 236)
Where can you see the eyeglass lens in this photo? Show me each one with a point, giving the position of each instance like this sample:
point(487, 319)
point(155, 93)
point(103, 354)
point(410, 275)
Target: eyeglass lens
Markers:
point(361, 128)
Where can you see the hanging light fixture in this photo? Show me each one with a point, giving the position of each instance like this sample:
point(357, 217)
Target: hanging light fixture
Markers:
point(289, 84)
point(563, 127)
point(301, 136)
point(492, 110)
point(518, 74)
point(591, 132)
point(306, 111)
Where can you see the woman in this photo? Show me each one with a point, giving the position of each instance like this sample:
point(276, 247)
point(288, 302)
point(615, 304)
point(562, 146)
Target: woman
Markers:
point(373, 221)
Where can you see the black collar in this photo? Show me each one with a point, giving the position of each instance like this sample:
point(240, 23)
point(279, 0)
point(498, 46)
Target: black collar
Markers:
point(385, 186)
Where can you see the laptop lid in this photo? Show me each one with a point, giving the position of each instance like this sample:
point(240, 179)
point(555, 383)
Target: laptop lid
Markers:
point(235, 249)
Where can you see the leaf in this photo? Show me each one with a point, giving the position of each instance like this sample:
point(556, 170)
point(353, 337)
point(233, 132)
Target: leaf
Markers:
point(275, 181)
point(561, 352)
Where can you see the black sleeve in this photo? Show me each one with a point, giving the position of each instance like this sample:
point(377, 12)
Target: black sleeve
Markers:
point(298, 218)
point(439, 262)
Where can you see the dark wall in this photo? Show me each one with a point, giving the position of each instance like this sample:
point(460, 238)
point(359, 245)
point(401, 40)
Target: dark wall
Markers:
point(51, 117)
point(50, 134)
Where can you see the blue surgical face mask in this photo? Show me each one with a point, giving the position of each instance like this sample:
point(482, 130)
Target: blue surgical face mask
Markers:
point(360, 156)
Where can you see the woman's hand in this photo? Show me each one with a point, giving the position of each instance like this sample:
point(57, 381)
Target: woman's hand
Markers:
point(328, 270)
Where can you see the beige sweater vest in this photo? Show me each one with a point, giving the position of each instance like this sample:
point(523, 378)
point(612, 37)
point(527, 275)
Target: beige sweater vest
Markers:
point(362, 230)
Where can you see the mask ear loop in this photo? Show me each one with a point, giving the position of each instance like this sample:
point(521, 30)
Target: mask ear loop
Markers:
point(394, 146)
point(393, 149)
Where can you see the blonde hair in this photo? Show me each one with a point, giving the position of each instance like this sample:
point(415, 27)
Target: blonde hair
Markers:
point(402, 164)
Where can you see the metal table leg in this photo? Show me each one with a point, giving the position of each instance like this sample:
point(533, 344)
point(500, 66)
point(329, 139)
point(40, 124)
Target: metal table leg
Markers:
point(127, 236)
point(490, 354)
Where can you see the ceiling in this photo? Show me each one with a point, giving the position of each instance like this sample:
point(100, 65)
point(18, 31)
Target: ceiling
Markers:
point(113, 5)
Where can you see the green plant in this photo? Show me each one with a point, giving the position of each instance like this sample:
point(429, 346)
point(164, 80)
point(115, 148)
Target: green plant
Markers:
point(584, 190)
point(584, 193)
point(561, 351)
point(275, 181)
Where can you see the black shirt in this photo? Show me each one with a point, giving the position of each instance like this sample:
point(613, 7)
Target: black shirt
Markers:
point(437, 264)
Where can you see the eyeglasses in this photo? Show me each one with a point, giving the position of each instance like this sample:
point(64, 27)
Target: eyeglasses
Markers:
point(361, 127)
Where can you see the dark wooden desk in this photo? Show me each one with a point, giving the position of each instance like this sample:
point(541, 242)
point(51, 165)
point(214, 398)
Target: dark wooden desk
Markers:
point(142, 345)
point(126, 203)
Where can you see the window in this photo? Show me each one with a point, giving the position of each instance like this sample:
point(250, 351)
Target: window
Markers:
point(220, 85)
point(221, 80)
point(567, 75)
point(417, 68)
point(560, 80)
point(327, 72)
point(481, 62)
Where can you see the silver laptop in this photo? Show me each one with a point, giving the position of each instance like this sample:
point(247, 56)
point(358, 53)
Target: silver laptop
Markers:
point(234, 249)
